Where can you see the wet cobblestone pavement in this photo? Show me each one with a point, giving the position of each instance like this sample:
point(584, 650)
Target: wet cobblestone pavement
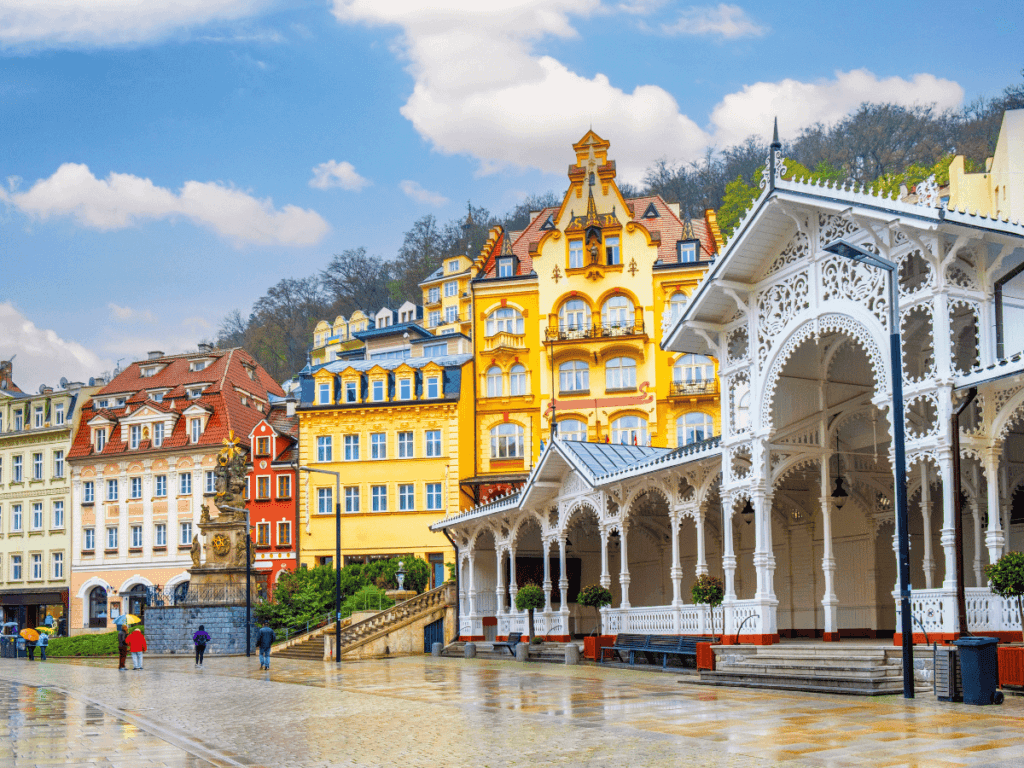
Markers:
point(424, 711)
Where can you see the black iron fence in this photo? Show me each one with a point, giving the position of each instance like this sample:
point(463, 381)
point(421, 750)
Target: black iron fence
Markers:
point(596, 331)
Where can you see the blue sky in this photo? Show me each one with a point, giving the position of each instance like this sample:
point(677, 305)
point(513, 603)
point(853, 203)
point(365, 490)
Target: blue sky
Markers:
point(166, 162)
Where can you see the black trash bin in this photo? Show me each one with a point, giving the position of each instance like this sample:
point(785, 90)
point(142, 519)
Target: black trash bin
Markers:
point(979, 670)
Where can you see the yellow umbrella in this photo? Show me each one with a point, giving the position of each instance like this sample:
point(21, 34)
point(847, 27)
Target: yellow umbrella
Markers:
point(29, 634)
point(133, 619)
point(47, 630)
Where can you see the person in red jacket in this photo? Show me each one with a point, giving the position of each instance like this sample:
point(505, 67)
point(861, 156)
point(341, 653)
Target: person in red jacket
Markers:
point(137, 645)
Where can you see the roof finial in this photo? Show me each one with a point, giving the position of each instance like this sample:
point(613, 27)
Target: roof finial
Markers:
point(774, 168)
point(775, 135)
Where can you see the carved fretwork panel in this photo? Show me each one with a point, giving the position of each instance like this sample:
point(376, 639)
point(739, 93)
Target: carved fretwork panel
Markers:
point(776, 306)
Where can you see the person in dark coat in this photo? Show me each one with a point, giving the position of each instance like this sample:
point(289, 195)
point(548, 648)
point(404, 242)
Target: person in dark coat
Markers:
point(264, 639)
point(122, 647)
point(200, 638)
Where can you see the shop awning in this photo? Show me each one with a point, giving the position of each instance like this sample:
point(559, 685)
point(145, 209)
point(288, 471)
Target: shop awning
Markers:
point(32, 597)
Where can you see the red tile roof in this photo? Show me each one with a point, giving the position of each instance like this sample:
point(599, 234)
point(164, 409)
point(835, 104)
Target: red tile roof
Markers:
point(227, 373)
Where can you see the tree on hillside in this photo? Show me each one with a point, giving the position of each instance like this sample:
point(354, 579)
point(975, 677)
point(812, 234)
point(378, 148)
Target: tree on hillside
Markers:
point(356, 280)
point(519, 217)
point(283, 324)
point(420, 254)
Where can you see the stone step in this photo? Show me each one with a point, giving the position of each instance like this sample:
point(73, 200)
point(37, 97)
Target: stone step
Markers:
point(819, 671)
point(855, 686)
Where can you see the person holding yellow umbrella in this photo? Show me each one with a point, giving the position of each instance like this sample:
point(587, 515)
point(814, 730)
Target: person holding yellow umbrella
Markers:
point(31, 636)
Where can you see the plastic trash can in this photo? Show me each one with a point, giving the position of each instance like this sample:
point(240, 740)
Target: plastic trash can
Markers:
point(979, 670)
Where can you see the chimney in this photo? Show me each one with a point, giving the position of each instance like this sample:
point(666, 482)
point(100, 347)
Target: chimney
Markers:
point(289, 407)
point(154, 354)
point(99, 381)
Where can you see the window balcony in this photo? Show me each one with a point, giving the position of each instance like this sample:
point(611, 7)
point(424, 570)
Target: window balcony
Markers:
point(503, 340)
point(595, 331)
point(694, 388)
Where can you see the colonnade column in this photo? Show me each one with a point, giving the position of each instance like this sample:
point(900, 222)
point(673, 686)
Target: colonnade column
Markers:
point(546, 548)
point(472, 585)
point(606, 577)
point(702, 553)
point(563, 581)
point(995, 538)
point(948, 534)
point(513, 585)
point(764, 564)
point(928, 563)
point(728, 566)
point(499, 581)
point(979, 572)
point(676, 571)
point(829, 601)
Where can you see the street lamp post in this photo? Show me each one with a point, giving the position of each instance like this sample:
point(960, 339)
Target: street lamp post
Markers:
point(864, 256)
point(337, 557)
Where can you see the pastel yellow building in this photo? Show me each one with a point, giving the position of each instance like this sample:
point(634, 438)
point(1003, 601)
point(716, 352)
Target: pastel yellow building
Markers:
point(447, 303)
point(998, 192)
point(568, 315)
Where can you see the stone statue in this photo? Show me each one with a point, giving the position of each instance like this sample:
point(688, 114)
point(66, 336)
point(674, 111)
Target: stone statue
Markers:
point(204, 516)
point(230, 480)
point(240, 552)
point(195, 550)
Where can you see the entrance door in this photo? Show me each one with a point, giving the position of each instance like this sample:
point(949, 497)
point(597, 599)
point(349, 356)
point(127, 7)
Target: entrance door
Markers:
point(436, 570)
point(98, 607)
point(137, 601)
point(433, 633)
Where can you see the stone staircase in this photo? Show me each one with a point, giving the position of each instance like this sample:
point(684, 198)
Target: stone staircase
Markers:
point(819, 668)
point(550, 653)
point(309, 646)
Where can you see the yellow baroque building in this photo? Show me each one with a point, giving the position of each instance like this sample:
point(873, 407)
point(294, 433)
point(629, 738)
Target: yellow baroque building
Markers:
point(567, 319)
point(398, 432)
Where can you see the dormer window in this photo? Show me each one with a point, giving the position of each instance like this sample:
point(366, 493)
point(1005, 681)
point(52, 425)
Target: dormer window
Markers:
point(324, 393)
point(433, 386)
point(148, 371)
point(198, 365)
point(194, 392)
point(351, 391)
point(158, 434)
point(101, 439)
point(405, 389)
point(506, 267)
point(120, 402)
point(195, 429)
point(689, 251)
point(134, 436)
point(38, 418)
point(18, 422)
point(99, 404)
point(453, 265)
point(156, 397)
point(377, 390)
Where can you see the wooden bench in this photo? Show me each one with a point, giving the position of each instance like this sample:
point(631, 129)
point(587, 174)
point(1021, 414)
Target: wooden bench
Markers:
point(626, 644)
point(514, 639)
point(651, 646)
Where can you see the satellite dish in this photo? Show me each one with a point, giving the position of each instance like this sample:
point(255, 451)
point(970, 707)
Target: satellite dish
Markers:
point(63, 382)
point(42, 388)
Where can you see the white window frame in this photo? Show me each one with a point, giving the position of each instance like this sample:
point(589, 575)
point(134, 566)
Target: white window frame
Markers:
point(185, 484)
point(407, 497)
point(185, 533)
point(89, 539)
point(573, 376)
point(160, 486)
point(575, 254)
point(134, 436)
point(158, 434)
point(379, 498)
point(406, 445)
point(433, 387)
point(134, 487)
point(495, 382)
point(111, 542)
point(378, 445)
point(113, 492)
point(624, 431)
point(451, 288)
point(58, 514)
point(351, 447)
point(88, 492)
point(517, 381)
point(505, 320)
point(325, 500)
point(136, 540)
point(160, 535)
point(57, 565)
point(573, 430)
point(37, 516)
point(58, 414)
point(324, 448)
point(37, 566)
point(507, 441)
point(352, 497)
point(432, 439)
point(58, 463)
point(435, 497)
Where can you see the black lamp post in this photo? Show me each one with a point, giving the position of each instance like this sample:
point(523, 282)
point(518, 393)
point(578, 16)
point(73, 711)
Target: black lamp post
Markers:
point(337, 557)
point(839, 495)
point(864, 256)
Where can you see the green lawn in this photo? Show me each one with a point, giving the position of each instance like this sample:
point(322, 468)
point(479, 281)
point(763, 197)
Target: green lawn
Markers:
point(84, 645)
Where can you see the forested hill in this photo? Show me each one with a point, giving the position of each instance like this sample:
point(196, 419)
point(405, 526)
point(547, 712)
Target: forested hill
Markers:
point(881, 145)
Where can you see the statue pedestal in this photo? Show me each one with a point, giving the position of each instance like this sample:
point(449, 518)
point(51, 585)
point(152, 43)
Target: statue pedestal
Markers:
point(400, 595)
point(220, 578)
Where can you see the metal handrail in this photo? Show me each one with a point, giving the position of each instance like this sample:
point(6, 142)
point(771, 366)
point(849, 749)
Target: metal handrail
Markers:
point(594, 331)
point(704, 387)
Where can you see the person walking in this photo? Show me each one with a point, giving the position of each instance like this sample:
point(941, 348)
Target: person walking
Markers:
point(200, 638)
point(137, 645)
point(264, 639)
point(31, 650)
point(122, 647)
point(42, 642)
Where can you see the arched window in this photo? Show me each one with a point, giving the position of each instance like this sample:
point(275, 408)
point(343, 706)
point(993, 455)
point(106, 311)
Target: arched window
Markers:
point(507, 441)
point(517, 380)
point(137, 601)
point(693, 373)
point(574, 316)
point(618, 312)
point(629, 430)
point(676, 305)
point(620, 373)
point(494, 382)
point(573, 376)
point(504, 320)
point(743, 410)
point(572, 429)
point(693, 427)
point(98, 607)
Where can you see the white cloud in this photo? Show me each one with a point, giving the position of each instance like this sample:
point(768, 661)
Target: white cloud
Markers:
point(727, 21)
point(335, 174)
point(481, 90)
point(102, 23)
point(799, 105)
point(127, 313)
point(421, 195)
point(122, 200)
point(42, 355)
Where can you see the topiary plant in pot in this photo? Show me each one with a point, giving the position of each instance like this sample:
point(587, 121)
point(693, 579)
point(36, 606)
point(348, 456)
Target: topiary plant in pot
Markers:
point(596, 597)
point(1006, 576)
point(708, 590)
point(529, 598)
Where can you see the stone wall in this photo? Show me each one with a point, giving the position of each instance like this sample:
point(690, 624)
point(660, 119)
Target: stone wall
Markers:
point(404, 639)
point(169, 628)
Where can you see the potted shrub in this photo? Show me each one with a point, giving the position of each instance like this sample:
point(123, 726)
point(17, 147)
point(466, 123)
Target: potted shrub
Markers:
point(710, 591)
point(528, 598)
point(1006, 576)
point(596, 597)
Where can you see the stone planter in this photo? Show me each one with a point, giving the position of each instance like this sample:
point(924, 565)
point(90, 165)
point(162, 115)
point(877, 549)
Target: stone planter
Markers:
point(592, 645)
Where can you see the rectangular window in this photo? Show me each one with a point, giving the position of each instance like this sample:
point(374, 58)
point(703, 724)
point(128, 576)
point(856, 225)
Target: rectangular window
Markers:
point(211, 482)
point(406, 497)
point(433, 496)
point(185, 529)
point(37, 516)
point(284, 487)
point(16, 476)
point(451, 314)
point(38, 420)
point(324, 448)
point(58, 463)
point(351, 447)
point(136, 537)
point(433, 295)
point(18, 425)
point(185, 484)
point(58, 514)
point(111, 490)
point(1, 460)
point(37, 566)
point(112, 537)
point(262, 446)
point(611, 247)
point(433, 442)
point(506, 267)
point(88, 539)
point(160, 535)
point(158, 434)
point(405, 450)
point(434, 319)
point(16, 517)
point(451, 288)
point(16, 567)
point(134, 436)
point(688, 251)
point(377, 388)
point(352, 498)
point(263, 487)
point(101, 440)
point(379, 494)
point(57, 565)
point(405, 389)
point(575, 254)
point(136, 488)
point(58, 418)
point(435, 350)
point(196, 426)
point(37, 466)
point(262, 534)
point(351, 391)
point(378, 445)
point(325, 501)
point(284, 534)
point(88, 492)
point(161, 485)
point(325, 393)
point(433, 388)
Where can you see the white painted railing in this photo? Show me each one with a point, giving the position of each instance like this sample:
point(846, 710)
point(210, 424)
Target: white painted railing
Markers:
point(934, 610)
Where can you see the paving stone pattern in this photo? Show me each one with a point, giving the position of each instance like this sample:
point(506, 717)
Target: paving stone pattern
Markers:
point(169, 628)
point(425, 711)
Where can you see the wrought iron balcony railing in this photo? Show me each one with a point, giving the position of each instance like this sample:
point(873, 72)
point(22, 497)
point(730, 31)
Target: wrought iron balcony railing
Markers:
point(595, 331)
point(708, 387)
